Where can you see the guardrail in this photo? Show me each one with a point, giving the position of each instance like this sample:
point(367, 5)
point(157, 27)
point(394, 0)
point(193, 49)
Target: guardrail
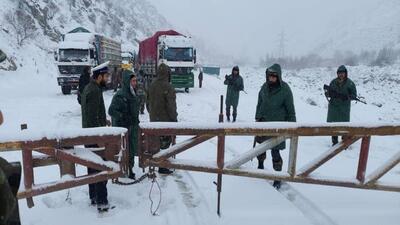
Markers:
point(65, 148)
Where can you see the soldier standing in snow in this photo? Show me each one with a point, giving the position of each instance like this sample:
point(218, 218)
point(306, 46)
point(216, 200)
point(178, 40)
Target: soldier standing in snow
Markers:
point(162, 105)
point(235, 85)
point(124, 112)
point(275, 103)
point(94, 115)
point(201, 78)
point(341, 91)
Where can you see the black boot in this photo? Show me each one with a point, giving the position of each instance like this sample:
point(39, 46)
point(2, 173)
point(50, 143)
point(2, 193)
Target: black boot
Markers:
point(164, 171)
point(131, 174)
point(234, 118)
point(277, 164)
point(228, 118)
point(260, 164)
point(335, 140)
point(277, 184)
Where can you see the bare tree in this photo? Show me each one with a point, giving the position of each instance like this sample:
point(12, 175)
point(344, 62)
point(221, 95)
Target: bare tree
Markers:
point(23, 25)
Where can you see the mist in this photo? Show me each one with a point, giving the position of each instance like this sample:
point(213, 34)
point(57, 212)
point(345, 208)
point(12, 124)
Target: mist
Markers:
point(249, 30)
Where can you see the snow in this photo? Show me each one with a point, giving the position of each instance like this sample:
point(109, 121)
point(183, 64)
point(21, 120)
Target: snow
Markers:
point(190, 197)
point(174, 41)
point(74, 45)
point(35, 134)
point(259, 125)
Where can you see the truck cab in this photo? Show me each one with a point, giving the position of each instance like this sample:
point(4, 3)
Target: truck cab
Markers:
point(177, 51)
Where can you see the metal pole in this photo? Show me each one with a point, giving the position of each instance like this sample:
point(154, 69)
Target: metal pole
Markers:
point(221, 110)
point(220, 157)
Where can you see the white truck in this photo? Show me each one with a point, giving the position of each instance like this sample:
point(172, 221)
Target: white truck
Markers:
point(173, 49)
point(79, 49)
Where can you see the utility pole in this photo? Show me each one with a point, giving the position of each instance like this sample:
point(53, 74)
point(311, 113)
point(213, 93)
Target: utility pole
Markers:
point(281, 47)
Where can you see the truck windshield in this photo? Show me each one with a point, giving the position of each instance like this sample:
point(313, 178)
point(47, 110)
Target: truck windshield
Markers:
point(74, 55)
point(71, 70)
point(178, 54)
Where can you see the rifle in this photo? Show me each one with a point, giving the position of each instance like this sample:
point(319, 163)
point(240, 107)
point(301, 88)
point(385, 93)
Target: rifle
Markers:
point(329, 92)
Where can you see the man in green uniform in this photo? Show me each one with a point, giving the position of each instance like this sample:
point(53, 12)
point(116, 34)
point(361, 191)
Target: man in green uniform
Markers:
point(94, 115)
point(124, 112)
point(235, 85)
point(162, 105)
point(275, 103)
point(340, 93)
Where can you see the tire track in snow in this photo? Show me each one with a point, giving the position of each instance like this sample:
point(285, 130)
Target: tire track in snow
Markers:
point(310, 210)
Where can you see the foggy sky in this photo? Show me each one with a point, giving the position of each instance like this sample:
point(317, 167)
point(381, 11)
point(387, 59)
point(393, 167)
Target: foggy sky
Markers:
point(251, 28)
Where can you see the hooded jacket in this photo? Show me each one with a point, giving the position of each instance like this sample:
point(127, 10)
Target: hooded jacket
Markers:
point(124, 111)
point(339, 108)
point(275, 103)
point(235, 85)
point(162, 97)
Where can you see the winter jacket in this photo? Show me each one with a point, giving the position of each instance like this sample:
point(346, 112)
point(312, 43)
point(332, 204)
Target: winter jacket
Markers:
point(162, 97)
point(340, 102)
point(235, 85)
point(275, 103)
point(92, 105)
point(124, 110)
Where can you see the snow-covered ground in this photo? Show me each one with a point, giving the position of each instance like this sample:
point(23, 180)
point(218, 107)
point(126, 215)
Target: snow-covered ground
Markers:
point(190, 198)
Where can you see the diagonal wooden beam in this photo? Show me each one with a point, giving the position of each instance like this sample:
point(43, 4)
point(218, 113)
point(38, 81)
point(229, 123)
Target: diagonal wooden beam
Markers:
point(180, 147)
point(61, 185)
point(67, 156)
point(326, 156)
point(254, 152)
point(378, 173)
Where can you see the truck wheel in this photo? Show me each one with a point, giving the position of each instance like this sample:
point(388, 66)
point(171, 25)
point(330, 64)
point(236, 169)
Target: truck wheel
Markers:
point(187, 90)
point(66, 90)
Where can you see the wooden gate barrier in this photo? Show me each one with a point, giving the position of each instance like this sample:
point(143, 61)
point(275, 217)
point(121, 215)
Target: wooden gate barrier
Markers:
point(150, 157)
point(66, 150)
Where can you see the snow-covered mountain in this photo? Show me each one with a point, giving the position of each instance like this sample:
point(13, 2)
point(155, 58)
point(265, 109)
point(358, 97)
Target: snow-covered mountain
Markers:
point(355, 30)
point(42, 22)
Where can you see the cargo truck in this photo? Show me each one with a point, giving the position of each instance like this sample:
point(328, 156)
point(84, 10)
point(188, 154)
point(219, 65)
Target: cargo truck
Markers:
point(173, 49)
point(80, 48)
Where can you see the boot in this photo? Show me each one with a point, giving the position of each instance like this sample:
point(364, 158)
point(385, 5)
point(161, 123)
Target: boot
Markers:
point(234, 118)
point(277, 184)
point(260, 164)
point(277, 164)
point(131, 174)
point(228, 118)
point(335, 140)
point(164, 171)
point(101, 208)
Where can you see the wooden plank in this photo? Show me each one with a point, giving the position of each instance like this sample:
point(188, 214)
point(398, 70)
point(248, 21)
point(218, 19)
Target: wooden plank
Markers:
point(28, 172)
point(66, 156)
point(263, 174)
point(294, 142)
point(180, 147)
point(291, 129)
point(382, 170)
point(62, 185)
point(315, 164)
point(363, 159)
point(254, 152)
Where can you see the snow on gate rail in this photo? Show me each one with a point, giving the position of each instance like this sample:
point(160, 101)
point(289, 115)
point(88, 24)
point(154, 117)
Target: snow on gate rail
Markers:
point(279, 131)
point(107, 155)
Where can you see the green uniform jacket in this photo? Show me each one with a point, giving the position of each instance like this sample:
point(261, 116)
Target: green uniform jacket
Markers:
point(124, 111)
point(339, 109)
point(162, 98)
point(7, 199)
point(235, 85)
point(276, 104)
point(92, 105)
